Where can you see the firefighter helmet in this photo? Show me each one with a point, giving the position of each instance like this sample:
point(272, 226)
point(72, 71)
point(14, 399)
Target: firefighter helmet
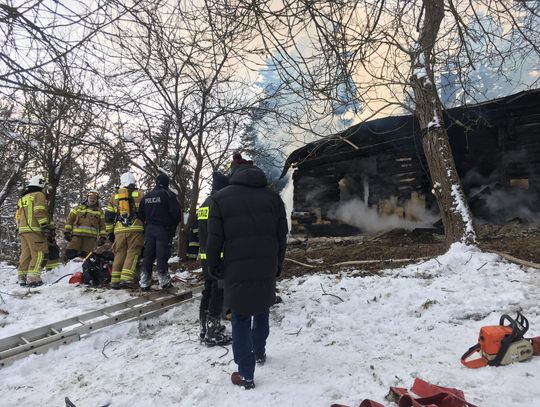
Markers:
point(93, 192)
point(126, 179)
point(37, 181)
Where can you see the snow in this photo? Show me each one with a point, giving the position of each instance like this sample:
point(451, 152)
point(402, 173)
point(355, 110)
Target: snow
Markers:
point(420, 72)
point(375, 331)
point(463, 211)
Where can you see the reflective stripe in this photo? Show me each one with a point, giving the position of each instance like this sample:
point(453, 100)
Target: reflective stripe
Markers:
point(39, 207)
point(53, 264)
point(118, 228)
point(87, 211)
point(203, 256)
point(68, 227)
point(87, 229)
point(37, 267)
point(194, 244)
point(202, 213)
point(29, 229)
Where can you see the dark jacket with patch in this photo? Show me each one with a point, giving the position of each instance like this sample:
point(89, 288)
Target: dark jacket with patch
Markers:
point(202, 224)
point(247, 221)
point(160, 207)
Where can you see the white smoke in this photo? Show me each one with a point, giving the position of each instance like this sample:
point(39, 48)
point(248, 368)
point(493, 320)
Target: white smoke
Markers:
point(355, 213)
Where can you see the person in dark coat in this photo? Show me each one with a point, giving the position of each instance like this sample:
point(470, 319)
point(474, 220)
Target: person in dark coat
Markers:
point(211, 330)
point(247, 222)
point(160, 213)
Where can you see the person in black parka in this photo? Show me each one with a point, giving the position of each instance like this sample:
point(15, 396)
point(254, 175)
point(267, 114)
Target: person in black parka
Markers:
point(160, 212)
point(211, 307)
point(247, 221)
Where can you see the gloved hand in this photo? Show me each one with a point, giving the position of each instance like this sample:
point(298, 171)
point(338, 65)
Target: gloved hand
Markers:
point(67, 236)
point(172, 234)
point(110, 236)
point(48, 233)
point(216, 273)
point(101, 241)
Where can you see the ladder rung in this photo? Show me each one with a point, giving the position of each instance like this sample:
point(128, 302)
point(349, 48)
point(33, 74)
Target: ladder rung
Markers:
point(24, 339)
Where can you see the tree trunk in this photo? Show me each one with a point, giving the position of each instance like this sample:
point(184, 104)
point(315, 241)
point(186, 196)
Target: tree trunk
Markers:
point(184, 231)
point(10, 184)
point(453, 206)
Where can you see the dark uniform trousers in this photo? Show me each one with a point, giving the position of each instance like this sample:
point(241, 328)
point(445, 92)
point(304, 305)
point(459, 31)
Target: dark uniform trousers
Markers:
point(156, 247)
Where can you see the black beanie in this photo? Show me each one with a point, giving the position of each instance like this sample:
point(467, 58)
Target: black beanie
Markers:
point(162, 180)
point(219, 181)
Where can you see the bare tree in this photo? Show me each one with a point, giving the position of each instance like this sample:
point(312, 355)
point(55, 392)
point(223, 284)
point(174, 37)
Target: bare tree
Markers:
point(397, 51)
point(185, 84)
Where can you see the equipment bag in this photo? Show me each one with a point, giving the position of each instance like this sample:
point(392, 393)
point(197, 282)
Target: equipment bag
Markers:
point(501, 344)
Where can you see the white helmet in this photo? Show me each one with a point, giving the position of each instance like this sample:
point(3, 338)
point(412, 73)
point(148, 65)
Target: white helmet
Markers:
point(127, 179)
point(37, 181)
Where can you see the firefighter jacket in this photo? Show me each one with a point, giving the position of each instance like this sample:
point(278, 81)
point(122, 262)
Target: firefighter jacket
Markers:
point(32, 212)
point(86, 221)
point(121, 214)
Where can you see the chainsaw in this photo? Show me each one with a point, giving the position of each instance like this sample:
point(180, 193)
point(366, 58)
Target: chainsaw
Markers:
point(502, 344)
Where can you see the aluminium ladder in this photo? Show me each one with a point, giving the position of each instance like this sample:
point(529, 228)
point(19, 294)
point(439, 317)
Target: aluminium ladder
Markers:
point(40, 340)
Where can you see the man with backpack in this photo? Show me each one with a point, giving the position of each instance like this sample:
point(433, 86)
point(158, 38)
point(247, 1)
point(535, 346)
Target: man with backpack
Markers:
point(160, 212)
point(125, 230)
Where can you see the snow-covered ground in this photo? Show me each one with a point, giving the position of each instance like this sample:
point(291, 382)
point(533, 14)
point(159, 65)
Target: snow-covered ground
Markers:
point(371, 333)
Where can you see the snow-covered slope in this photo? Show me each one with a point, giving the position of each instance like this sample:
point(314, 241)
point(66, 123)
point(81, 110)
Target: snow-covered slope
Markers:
point(371, 333)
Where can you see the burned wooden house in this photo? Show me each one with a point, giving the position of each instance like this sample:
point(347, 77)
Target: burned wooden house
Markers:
point(380, 163)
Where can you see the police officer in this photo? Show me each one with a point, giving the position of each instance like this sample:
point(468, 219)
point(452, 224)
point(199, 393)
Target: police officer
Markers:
point(160, 212)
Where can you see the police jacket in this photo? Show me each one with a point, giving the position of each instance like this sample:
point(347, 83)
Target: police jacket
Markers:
point(118, 224)
point(160, 207)
point(32, 215)
point(86, 221)
point(247, 221)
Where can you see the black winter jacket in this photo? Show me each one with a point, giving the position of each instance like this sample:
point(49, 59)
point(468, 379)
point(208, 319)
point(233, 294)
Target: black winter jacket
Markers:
point(202, 224)
point(160, 207)
point(248, 221)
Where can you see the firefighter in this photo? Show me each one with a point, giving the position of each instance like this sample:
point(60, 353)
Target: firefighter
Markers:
point(33, 224)
point(210, 309)
point(160, 212)
point(85, 224)
point(125, 230)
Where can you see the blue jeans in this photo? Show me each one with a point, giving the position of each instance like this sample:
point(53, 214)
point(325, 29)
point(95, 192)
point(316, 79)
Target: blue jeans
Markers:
point(249, 340)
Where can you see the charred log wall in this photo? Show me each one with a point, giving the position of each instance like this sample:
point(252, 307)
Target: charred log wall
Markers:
point(496, 146)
